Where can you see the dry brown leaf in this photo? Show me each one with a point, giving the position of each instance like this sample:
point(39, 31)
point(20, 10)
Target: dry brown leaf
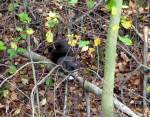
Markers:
point(136, 82)
point(14, 96)
point(121, 67)
point(1, 15)
point(132, 4)
point(1, 106)
point(124, 56)
point(50, 97)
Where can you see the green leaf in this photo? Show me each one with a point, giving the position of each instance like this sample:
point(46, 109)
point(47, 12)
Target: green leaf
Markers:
point(12, 69)
point(21, 50)
point(24, 17)
point(111, 4)
point(2, 46)
point(12, 53)
point(90, 4)
point(17, 39)
point(49, 82)
point(126, 40)
point(83, 43)
point(52, 19)
point(24, 36)
point(72, 2)
point(3, 92)
point(19, 29)
point(12, 6)
point(52, 23)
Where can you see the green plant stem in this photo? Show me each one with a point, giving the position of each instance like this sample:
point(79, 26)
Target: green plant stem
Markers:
point(110, 62)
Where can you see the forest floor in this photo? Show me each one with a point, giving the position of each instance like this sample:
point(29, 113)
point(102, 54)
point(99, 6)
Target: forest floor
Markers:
point(88, 24)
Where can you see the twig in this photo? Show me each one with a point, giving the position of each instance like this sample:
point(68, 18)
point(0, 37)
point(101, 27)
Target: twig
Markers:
point(60, 82)
point(145, 107)
point(137, 32)
point(13, 74)
point(65, 111)
point(90, 11)
point(16, 87)
point(89, 87)
point(136, 94)
point(31, 59)
point(94, 89)
point(96, 73)
point(23, 66)
point(35, 87)
point(131, 55)
point(97, 52)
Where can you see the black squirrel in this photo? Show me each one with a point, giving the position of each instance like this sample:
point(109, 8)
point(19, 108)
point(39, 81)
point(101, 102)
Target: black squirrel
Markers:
point(61, 53)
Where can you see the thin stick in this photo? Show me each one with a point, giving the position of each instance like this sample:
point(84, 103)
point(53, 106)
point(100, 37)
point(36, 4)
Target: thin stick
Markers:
point(89, 87)
point(35, 87)
point(65, 111)
point(31, 59)
point(145, 107)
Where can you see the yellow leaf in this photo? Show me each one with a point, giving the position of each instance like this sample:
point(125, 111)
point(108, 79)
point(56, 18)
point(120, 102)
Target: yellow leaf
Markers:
point(114, 11)
point(49, 37)
point(91, 50)
point(126, 23)
point(84, 29)
point(72, 42)
point(77, 37)
point(29, 31)
point(70, 36)
point(97, 41)
point(13, 45)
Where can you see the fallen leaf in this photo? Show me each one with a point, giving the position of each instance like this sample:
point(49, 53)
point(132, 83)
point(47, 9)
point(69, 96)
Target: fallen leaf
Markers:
point(43, 102)
point(13, 45)
point(85, 48)
point(97, 41)
point(14, 96)
point(1, 106)
point(49, 37)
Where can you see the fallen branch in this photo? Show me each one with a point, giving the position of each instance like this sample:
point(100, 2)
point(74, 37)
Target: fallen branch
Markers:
point(96, 90)
point(85, 84)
